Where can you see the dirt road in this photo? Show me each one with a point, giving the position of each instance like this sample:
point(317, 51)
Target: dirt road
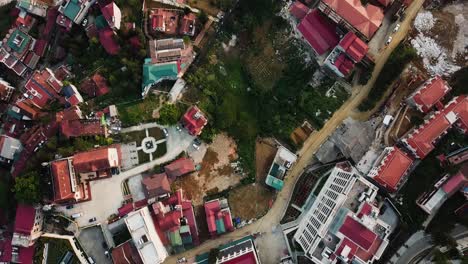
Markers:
point(273, 217)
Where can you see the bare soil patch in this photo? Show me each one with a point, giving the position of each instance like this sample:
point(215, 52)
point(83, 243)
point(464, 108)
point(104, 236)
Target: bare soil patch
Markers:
point(265, 151)
point(216, 174)
point(250, 201)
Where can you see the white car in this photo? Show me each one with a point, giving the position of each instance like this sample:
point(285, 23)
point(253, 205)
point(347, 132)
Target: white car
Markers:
point(389, 40)
point(397, 27)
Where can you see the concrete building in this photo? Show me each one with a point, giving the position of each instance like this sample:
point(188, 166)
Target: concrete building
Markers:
point(28, 225)
point(283, 161)
point(6, 90)
point(145, 237)
point(344, 223)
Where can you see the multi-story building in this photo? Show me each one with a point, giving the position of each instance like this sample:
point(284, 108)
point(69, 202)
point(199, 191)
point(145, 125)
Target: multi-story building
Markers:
point(28, 225)
point(343, 225)
point(145, 237)
point(362, 20)
point(429, 94)
point(6, 90)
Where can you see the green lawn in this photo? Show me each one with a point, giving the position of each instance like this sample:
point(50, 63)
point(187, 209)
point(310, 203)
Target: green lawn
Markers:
point(143, 157)
point(140, 111)
point(156, 132)
point(135, 136)
point(160, 151)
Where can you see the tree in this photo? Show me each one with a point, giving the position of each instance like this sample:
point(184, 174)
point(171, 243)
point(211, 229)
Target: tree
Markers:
point(169, 114)
point(4, 195)
point(213, 256)
point(27, 189)
point(202, 17)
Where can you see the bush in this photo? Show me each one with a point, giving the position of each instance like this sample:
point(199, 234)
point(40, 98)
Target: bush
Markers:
point(27, 188)
point(401, 56)
point(169, 114)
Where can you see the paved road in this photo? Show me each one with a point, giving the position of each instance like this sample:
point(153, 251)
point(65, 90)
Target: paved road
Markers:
point(107, 194)
point(274, 215)
point(423, 243)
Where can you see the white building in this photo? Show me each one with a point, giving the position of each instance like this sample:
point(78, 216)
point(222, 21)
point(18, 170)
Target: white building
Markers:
point(144, 236)
point(283, 161)
point(343, 224)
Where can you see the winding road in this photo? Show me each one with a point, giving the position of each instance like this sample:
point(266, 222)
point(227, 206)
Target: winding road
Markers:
point(274, 215)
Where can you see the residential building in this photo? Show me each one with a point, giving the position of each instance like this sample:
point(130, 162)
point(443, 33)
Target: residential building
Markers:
point(95, 86)
point(298, 10)
point(71, 175)
point(20, 52)
point(344, 224)
point(83, 127)
point(108, 42)
point(187, 25)
point(319, 32)
point(421, 140)
point(145, 237)
point(283, 161)
point(458, 156)
point(6, 90)
point(194, 121)
point(126, 253)
point(391, 168)
point(179, 168)
point(218, 217)
point(155, 186)
point(15, 254)
point(156, 73)
point(111, 13)
point(36, 7)
point(362, 20)
point(73, 11)
point(10, 148)
point(41, 89)
point(175, 218)
point(28, 225)
point(431, 201)
point(429, 94)
point(346, 54)
point(72, 96)
point(239, 251)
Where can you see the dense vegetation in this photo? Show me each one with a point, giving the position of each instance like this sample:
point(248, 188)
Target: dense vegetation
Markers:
point(392, 69)
point(459, 82)
point(7, 19)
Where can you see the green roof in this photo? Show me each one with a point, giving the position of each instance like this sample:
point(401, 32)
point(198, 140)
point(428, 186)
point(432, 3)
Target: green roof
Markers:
point(72, 9)
point(220, 228)
point(274, 182)
point(24, 4)
point(20, 36)
point(154, 73)
point(100, 22)
point(175, 238)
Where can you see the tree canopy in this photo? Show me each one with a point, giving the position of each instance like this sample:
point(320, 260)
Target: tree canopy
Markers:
point(27, 189)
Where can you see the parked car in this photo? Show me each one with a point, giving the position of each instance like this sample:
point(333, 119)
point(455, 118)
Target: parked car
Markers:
point(196, 144)
point(179, 128)
point(70, 206)
point(166, 133)
point(92, 219)
point(389, 40)
point(397, 27)
point(104, 245)
point(77, 215)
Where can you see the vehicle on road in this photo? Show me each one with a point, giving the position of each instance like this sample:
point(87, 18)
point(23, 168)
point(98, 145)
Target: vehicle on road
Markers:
point(196, 144)
point(179, 128)
point(389, 40)
point(92, 219)
point(76, 215)
point(397, 27)
point(166, 133)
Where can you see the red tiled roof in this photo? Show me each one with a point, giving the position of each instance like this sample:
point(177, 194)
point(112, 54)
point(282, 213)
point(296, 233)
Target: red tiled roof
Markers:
point(393, 168)
point(62, 182)
point(187, 26)
point(354, 47)
point(455, 182)
point(358, 233)
point(40, 47)
point(343, 64)
point(52, 14)
point(213, 213)
point(106, 37)
point(126, 253)
point(156, 185)
point(101, 84)
point(95, 160)
point(124, 210)
point(422, 139)
point(157, 21)
point(79, 128)
point(366, 19)
point(318, 31)
point(298, 10)
point(194, 120)
point(24, 220)
point(430, 93)
point(179, 167)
